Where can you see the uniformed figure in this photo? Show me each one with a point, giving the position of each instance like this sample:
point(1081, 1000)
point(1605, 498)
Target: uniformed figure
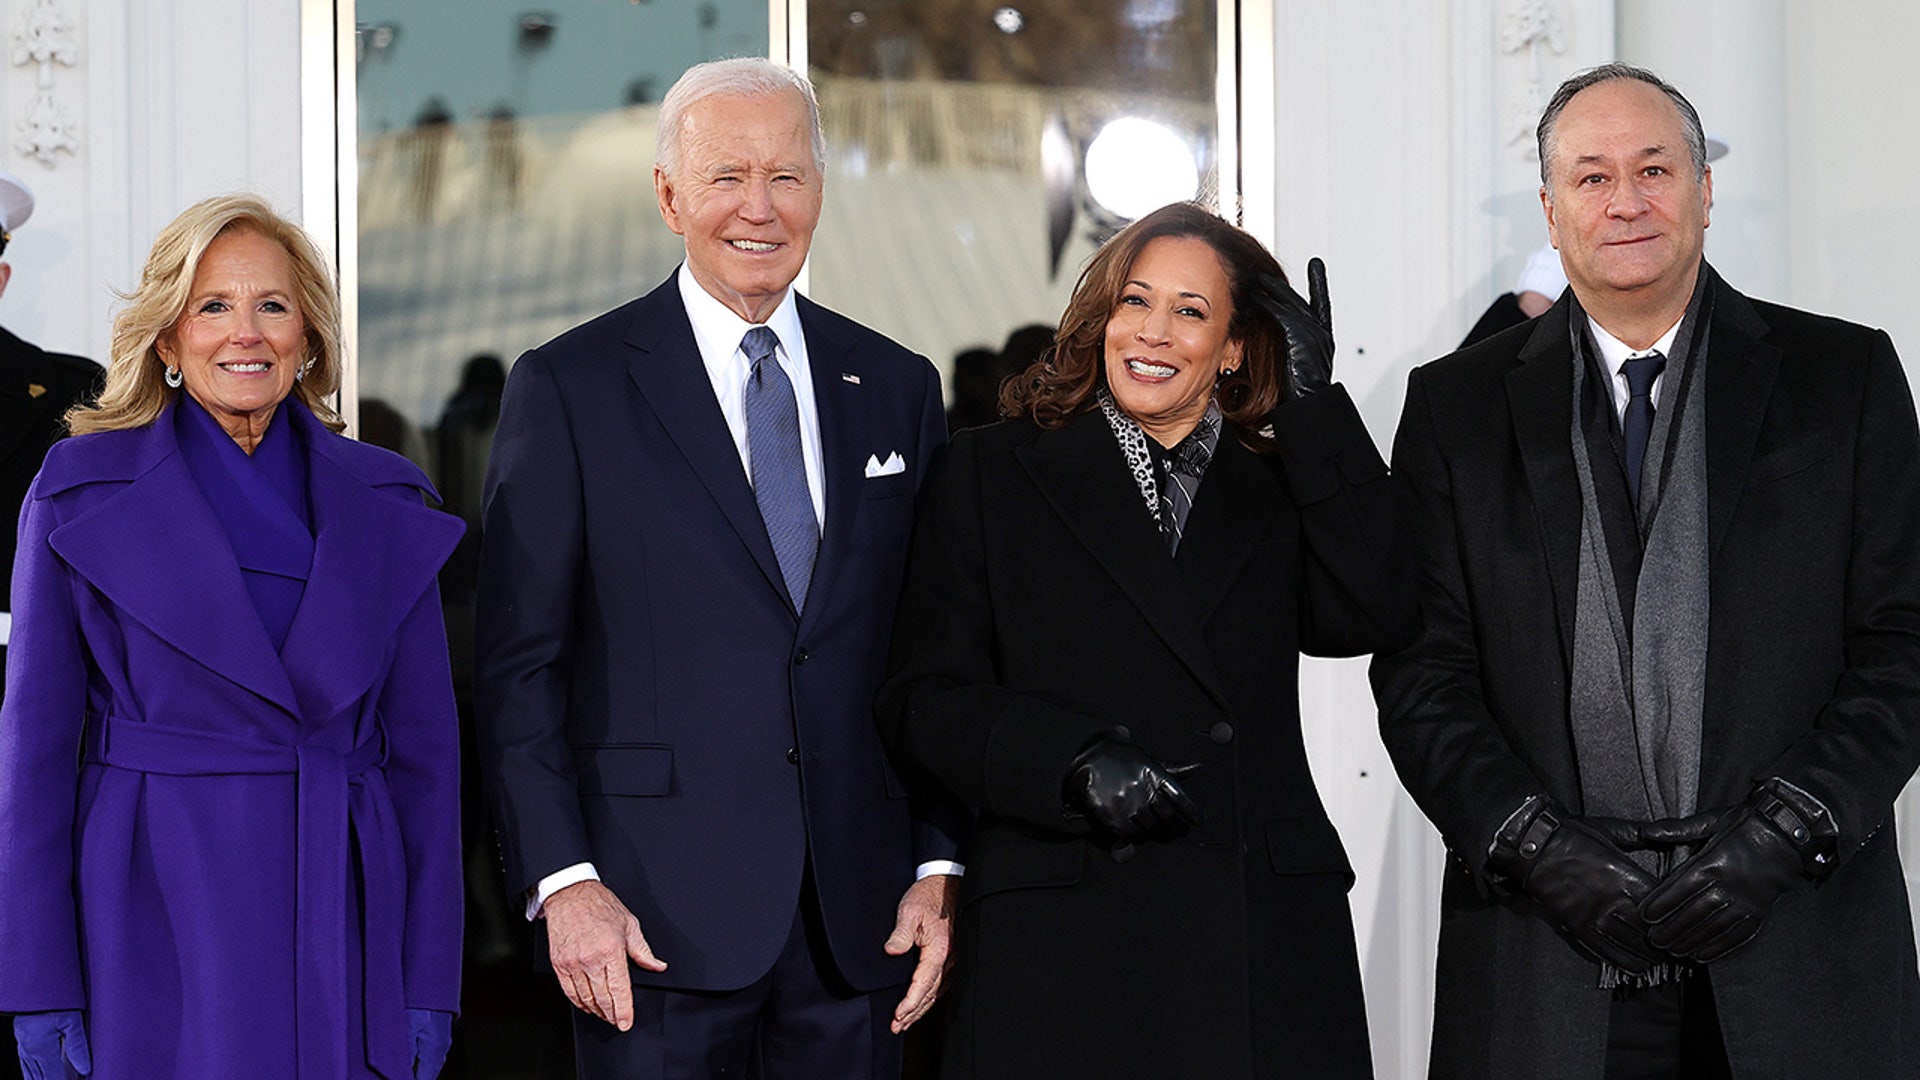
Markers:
point(36, 389)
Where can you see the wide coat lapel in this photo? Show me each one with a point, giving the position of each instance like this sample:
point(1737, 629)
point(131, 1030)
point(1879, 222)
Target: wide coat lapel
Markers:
point(1540, 401)
point(1235, 505)
point(1081, 472)
point(666, 368)
point(843, 404)
point(155, 550)
point(376, 549)
point(1741, 369)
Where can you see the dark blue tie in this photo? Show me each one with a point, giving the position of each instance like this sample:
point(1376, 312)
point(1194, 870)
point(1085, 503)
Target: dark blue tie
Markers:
point(779, 470)
point(1638, 425)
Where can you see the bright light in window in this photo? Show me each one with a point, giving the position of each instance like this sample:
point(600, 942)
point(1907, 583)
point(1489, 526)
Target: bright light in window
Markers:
point(1135, 166)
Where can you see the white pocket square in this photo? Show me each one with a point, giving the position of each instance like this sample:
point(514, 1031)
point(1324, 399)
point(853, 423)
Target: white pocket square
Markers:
point(894, 464)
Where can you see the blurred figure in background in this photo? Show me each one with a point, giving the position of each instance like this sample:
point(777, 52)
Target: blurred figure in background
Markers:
point(36, 390)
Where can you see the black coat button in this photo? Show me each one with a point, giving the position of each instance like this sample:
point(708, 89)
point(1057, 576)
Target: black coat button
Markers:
point(1221, 733)
point(793, 755)
point(802, 656)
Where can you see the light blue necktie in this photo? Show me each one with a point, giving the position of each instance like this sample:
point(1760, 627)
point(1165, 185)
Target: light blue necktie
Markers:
point(779, 470)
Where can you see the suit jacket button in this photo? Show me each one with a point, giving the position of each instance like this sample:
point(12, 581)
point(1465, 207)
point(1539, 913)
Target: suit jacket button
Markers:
point(802, 656)
point(1221, 733)
point(793, 755)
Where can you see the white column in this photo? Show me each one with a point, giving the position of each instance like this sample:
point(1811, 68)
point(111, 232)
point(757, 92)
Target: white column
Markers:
point(1729, 57)
point(175, 101)
point(1403, 146)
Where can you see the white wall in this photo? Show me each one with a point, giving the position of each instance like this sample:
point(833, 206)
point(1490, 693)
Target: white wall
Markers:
point(175, 100)
point(1406, 161)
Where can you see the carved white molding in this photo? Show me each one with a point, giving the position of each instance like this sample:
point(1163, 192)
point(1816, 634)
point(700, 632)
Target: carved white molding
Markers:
point(1532, 27)
point(44, 38)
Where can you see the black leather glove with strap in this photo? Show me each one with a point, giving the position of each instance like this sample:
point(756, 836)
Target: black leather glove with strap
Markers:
point(1128, 794)
point(1307, 326)
point(1719, 899)
point(1587, 886)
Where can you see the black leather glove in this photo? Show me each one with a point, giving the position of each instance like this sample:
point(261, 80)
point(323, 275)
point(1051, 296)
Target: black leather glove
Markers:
point(1655, 835)
point(1585, 884)
point(1122, 790)
point(1719, 898)
point(1308, 327)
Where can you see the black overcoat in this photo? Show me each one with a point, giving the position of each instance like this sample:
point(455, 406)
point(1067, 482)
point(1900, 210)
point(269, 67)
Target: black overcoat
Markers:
point(36, 390)
point(1042, 607)
point(1813, 675)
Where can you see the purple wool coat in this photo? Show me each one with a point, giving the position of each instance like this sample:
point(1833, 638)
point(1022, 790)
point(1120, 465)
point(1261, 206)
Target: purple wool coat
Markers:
point(254, 869)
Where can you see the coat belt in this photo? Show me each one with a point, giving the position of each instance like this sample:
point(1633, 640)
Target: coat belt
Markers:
point(323, 864)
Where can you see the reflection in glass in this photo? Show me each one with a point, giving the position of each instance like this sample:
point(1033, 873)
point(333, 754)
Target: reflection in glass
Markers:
point(962, 197)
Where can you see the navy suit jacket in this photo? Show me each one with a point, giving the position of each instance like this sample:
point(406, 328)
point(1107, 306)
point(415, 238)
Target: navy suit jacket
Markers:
point(648, 699)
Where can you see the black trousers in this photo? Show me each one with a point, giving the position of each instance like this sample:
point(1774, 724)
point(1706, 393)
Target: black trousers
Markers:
point(1667, 1032)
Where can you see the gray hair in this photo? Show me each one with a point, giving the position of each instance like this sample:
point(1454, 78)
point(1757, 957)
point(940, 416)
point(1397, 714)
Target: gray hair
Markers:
point(1689, 119)
point(743, 75)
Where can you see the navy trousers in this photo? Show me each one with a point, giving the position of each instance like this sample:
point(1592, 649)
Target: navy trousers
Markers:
point(799, 1021)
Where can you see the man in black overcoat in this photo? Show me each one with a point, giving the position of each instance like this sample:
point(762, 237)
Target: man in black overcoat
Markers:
point(36, 390)
point(1668, 686)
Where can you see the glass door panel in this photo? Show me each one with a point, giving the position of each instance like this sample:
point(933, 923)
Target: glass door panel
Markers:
point(980, 151)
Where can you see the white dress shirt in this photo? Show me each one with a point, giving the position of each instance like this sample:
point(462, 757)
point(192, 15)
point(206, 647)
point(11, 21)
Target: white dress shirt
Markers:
point(1614, 355)
point(718, 331)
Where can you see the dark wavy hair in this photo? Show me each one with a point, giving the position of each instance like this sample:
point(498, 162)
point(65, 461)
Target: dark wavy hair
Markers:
point(1065, 380)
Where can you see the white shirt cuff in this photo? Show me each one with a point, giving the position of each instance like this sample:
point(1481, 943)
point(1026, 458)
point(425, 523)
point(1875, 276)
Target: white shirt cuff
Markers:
point(6, 626)
point(554, 882)
point(939, 866)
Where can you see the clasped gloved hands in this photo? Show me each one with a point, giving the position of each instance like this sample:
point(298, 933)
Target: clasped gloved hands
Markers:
point(1719, 898)
point(1125, 792)
point(1582, 878)
point(53, 1045)
point(1307, 326)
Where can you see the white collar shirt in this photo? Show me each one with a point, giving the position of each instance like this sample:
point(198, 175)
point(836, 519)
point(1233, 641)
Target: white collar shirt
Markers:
point(1614, 355)
point(717, 331)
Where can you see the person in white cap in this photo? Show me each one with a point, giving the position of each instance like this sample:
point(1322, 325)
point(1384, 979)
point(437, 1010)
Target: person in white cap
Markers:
point(36, 390)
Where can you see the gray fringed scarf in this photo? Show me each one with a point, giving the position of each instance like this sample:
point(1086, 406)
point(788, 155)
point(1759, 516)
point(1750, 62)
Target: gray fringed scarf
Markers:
point(1637, 698)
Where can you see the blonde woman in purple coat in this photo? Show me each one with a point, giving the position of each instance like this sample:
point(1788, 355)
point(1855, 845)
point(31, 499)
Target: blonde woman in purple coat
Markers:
point(229, 840)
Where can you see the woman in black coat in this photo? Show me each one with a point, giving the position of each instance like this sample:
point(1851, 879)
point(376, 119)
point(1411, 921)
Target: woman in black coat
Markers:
point(1097, 649)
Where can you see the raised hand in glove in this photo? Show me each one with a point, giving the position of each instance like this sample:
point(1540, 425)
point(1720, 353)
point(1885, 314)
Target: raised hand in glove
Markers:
point(1719, 898)
point(1125, 792)
point(1308, 327)
point(52, 1045)
point(1585, 884)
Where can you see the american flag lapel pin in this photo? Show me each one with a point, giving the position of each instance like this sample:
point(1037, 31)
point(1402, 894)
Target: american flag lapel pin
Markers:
point(849, 376)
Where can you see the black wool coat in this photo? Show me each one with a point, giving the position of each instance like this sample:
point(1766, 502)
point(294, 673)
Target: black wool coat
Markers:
point(36, 390)
point(1041, 608)
point(1812, 675)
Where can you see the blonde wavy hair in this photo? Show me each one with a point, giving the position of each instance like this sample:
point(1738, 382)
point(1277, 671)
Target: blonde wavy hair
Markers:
point(136, 390)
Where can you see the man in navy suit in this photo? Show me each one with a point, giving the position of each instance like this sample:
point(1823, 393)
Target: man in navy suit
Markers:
point(696, 521)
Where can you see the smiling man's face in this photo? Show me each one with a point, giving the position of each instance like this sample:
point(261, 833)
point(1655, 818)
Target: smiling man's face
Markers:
point(1625, 208)
point(746, 196)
